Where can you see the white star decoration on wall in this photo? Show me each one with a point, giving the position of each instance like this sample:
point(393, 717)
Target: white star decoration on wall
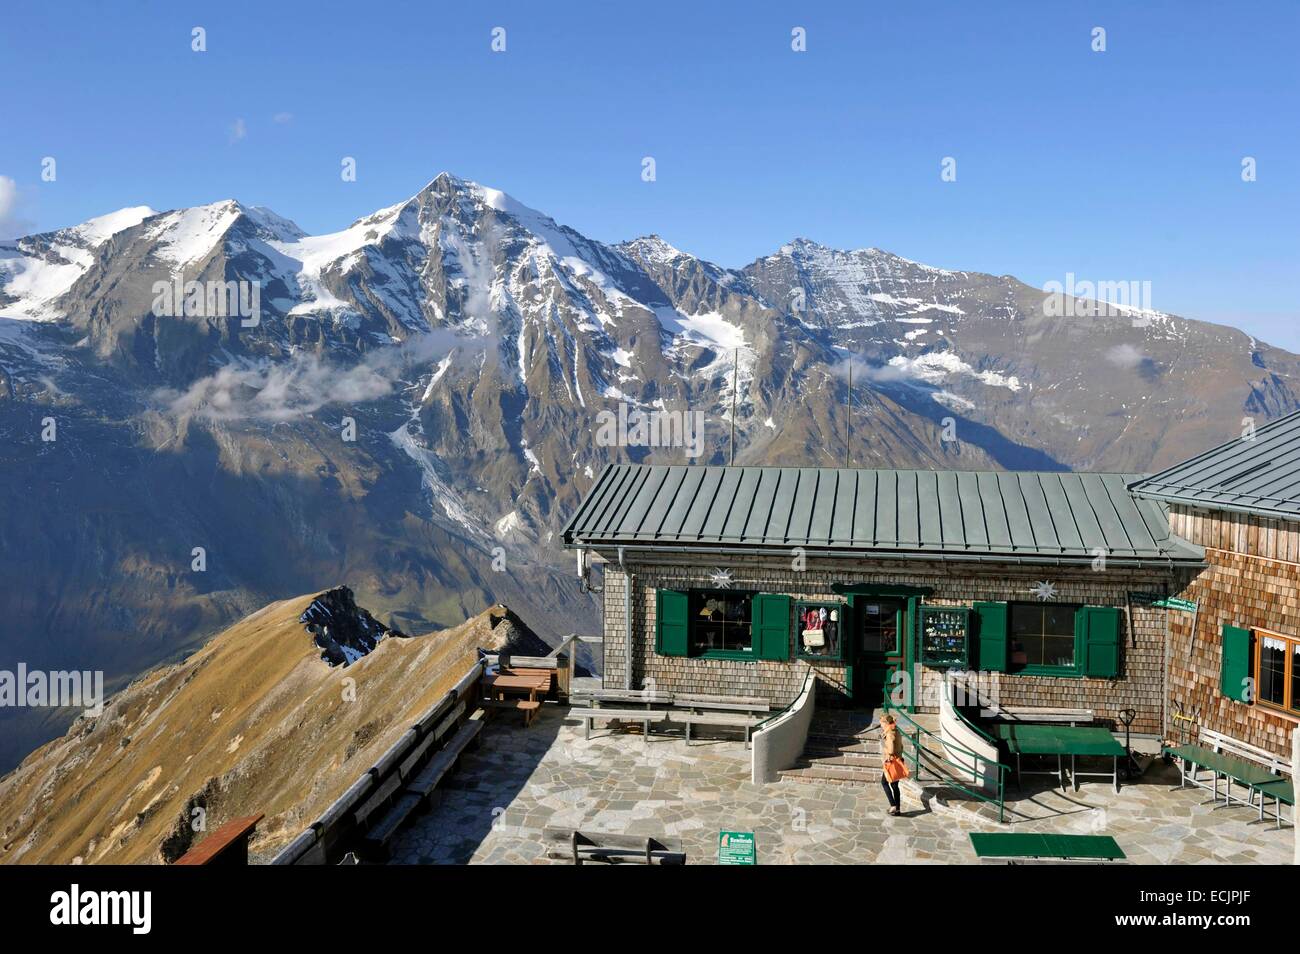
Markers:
point(721, 579)
point(1043, 590)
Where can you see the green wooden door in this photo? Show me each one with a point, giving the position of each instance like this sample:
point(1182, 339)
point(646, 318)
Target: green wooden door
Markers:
point(882, 629)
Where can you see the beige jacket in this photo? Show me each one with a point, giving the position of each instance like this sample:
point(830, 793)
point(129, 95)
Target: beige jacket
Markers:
point(891, 743)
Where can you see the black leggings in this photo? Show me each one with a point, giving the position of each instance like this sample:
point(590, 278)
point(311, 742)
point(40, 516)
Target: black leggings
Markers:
point(891, 791)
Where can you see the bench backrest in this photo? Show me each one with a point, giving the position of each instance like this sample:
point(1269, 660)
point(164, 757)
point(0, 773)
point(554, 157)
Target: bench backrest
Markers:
point(702, 699)
point(624, 695)
point(1038, 714)
point(1227, 745)
point(530, 662)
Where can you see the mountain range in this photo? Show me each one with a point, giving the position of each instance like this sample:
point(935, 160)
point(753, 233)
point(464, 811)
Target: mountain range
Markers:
point(206, 410)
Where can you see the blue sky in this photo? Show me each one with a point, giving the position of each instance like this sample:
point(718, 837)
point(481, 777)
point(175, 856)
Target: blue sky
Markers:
point(1116, 166)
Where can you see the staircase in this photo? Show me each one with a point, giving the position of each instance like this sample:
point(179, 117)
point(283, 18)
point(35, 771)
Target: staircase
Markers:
point(843, 748)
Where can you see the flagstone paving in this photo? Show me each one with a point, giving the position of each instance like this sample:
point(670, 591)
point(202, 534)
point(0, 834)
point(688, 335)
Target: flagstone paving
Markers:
point(493, 810)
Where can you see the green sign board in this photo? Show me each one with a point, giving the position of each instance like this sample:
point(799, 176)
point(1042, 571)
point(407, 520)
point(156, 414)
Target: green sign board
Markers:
point(1144, 598)
point(1161, 601)
point(737, 848)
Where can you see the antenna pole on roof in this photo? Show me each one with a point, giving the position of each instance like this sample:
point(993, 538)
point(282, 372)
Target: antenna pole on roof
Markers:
point(735, 384)
point(848, 442)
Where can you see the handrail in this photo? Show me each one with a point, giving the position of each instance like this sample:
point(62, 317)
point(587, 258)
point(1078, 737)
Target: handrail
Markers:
point(893, 707)
point(811, 675)
point(918, 748)
point(968, 723)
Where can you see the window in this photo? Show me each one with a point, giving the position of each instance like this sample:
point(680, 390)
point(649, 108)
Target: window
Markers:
point(944, 631)
point(880, 627)
point(818, 630)
point(720, 621)
point(1277, 671)
point(1042, 636)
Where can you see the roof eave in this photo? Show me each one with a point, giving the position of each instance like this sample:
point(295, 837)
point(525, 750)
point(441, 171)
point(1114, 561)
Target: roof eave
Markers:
point(1164, 560)
point(1216, 505)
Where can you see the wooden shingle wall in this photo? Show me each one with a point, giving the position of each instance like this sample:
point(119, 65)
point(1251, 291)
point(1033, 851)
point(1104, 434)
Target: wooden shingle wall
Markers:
point(1253, 581)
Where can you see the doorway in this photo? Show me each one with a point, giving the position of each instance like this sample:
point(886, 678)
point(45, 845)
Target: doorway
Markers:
point(882, 623)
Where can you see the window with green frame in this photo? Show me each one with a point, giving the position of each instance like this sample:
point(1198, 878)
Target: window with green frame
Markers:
point(819, 629)
point(721, 621)
point(1042, 637)
point(725, 624)
point(945, 636)
point(1047, 639)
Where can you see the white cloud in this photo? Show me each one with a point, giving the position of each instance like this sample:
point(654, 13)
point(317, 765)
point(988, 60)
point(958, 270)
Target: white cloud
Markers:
point(303, 384)
point(9, 223)
point(282, 118)
point(238, 130)
point(1125, 356)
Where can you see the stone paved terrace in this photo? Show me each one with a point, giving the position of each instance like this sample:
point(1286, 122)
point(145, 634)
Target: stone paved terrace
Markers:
point(494, 808)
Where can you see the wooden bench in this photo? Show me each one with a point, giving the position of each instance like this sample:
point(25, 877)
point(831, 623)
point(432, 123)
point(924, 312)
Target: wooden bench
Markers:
point(1260, 771)
point(529, 707)
point(228, 845)
point(581, 847)
point(737, 720)
point(1011, 848)
point(417, 787)
point(1282, 792)
point(750, 704)
point(646, 697)
point(1040, 714)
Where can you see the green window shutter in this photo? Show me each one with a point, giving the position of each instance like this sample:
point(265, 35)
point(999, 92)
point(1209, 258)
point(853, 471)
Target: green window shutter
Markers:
point(771, 626)
point(990, 645)
point(1235, 670)
point(1099, 628)
point(671, 630)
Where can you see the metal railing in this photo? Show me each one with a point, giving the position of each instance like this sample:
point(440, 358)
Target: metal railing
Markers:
point(956, 772)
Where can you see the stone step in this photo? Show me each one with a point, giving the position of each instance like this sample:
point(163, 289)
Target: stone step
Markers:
point(840, 775)
point(868, 753)
point(844, 737)
point(854, 760)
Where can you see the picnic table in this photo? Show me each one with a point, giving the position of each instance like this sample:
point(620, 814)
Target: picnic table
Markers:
point(1010, 846)
point(526, 683)
point(1061, 740)
point(1250, 774)
point(530, 684)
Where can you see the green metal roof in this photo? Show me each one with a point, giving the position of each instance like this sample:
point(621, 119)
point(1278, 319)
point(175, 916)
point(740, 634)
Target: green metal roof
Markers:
point(1006, 515)
point(1259, 476)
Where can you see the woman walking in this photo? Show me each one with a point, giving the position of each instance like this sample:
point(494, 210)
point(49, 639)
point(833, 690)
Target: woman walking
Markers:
point(891, 761)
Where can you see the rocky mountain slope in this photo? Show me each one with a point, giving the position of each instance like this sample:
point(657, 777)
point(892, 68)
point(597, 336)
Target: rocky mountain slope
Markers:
point(416, 403)
point(255, 721)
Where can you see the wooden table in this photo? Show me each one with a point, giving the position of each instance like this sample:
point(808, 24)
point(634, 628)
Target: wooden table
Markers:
point(530, 684)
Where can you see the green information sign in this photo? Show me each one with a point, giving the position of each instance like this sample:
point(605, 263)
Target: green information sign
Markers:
point(1173, 602)
point(737, 848)
point(1161, 601)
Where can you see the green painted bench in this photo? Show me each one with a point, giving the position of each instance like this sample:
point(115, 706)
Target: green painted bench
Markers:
point(1230, 767)
point(1029, 845)
point(1282, 792)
